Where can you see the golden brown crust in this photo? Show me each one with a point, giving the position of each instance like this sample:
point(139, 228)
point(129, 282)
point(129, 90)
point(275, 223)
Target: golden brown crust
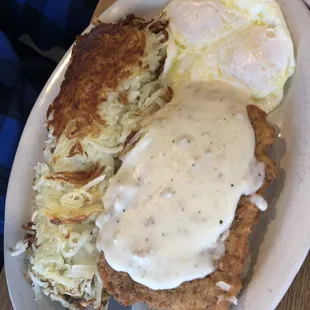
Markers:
point(100, 60)
point(203, 294)
point(76, 149)
point(78, 177)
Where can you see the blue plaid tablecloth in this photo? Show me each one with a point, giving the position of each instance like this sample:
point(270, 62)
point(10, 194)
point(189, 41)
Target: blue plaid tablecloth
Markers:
point(23, 71)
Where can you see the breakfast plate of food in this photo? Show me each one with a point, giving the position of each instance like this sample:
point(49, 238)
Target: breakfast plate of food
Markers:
point(165, 164)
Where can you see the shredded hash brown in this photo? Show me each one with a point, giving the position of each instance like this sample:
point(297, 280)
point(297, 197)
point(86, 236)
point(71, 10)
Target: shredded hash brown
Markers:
point(104, 57)
point(78, 177)
point(203, 293)
point(111, 80)
point(101, 62)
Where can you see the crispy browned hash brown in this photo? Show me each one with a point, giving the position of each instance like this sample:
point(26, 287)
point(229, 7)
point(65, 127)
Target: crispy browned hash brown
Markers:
point(110, 85)
point(100, 61)
point(203, 293)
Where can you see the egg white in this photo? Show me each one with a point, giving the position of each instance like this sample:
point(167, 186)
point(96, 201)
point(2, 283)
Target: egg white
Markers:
point(245, 43)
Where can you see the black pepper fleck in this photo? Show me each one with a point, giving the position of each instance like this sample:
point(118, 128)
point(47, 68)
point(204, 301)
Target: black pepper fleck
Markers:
point(199, 212)
point(189, 141)
point(163, 235)
point(232, 185)
point(171, 179)
point(172, 141)
point(124, 210)
point(193, 165)
point(221, 222)
point(146, 239)
point(117, 221)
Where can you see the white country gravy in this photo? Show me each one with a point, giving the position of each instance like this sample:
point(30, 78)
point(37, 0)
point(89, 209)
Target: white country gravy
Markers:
point(175, 195)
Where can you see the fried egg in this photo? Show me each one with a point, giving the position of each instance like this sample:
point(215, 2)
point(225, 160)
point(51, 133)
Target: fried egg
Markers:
point(245, 43)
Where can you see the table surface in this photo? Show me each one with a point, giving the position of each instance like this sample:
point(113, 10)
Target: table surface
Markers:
point(297, 297)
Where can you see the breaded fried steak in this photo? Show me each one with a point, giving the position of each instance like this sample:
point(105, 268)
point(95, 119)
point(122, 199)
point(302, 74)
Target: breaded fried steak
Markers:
point(219, 289)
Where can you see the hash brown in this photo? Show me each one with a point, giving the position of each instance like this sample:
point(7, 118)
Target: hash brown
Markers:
point(98, 105)
point(101, 59)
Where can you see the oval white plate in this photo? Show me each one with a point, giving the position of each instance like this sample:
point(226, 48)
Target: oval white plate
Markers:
point(281, 241)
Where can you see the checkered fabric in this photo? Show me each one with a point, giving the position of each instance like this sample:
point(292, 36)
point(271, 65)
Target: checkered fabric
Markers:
point(48, 22)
